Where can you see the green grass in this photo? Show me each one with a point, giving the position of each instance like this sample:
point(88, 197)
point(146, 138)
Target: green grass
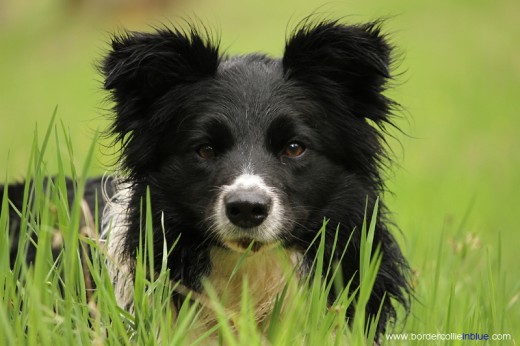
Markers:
point(455, 187)
point(46, 303)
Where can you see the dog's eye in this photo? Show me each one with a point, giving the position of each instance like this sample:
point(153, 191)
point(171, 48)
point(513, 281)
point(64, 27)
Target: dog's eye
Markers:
point(293, 149)
point(206, 151)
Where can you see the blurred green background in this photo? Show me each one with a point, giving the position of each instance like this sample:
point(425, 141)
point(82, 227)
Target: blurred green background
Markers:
point(458, 166)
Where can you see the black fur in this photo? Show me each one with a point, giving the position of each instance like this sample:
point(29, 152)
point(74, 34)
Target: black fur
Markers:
point(174, 92)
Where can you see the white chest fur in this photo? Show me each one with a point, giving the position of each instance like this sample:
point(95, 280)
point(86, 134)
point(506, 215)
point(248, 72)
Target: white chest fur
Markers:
point(266, 274)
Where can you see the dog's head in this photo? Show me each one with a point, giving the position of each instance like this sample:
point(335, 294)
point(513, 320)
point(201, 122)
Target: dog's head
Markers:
point(250, 147)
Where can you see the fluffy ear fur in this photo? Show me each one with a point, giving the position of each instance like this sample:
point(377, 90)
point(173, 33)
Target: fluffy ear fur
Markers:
point(348, 64)
point(139, 70)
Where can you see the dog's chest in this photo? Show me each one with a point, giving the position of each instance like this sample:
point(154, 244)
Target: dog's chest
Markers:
point(261, 276)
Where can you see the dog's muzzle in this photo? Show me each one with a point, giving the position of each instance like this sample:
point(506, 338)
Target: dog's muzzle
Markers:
point(248, 210)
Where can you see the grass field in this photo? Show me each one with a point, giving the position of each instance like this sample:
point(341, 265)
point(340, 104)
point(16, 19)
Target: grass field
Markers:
point(455, 183)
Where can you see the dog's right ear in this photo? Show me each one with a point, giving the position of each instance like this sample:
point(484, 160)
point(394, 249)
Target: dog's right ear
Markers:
point(149, 63)
point(143, 67)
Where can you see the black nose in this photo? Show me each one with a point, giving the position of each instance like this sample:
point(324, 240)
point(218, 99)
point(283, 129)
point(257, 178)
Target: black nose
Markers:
point(247, 209)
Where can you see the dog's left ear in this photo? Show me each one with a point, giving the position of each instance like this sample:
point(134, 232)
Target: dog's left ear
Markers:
point(349, 63)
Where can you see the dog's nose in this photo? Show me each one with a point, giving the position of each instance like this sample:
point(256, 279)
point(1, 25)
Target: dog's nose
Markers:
point(247, 209)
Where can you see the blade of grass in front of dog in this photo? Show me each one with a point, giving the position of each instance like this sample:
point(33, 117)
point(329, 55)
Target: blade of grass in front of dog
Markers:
point(139, 281)
point(161, 290)
point(70, 151)
point(243, 322)
point(43, 269)
point(273, 324)
point(149, 290)
point(109, 313)
point(317, 297)
point(331, 265)
point(7, 337)
point(185, 321)
point(73, 276)
point(337, 280)
point(320, 253)
point(144, 311)
point(360, 327)
point(20, 261)
point(15, 296)
point(38, 217)
point(78, 232)
point(34, 177)
point(39, 155)
point(367, 241)
point(305, 305)
point(6, 279)
point(147, 268)
point(60, 179)
point(239, 263)
point(226, 331)
point(44, 248)
point(248, 326)
point(140, 304)
point(370, 262)
point(372, 326)
point(290, 294)
point(149, 232)
point(5, 241)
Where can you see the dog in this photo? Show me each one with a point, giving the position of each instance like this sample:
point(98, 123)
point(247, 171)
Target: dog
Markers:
point(249, 154)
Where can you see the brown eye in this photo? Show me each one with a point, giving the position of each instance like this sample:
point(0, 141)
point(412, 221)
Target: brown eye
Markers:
point(206, 151)
point(293, 150)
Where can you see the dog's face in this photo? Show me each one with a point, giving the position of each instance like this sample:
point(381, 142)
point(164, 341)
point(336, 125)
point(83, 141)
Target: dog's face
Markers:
point(247, 155)
point(251, 148)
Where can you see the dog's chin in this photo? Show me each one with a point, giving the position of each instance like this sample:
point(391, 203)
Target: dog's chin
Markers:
point(242, 245)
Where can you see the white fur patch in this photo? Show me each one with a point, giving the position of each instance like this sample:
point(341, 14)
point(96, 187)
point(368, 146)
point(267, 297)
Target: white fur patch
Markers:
point(266, 232)
point(114, 229)
point(267, 273)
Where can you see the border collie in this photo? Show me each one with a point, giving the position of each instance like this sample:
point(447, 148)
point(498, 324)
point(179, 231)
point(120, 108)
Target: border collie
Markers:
point(251, 152)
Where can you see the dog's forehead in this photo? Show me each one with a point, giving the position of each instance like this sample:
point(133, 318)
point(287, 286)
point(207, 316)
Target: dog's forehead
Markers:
point(250, 78)
point(252, 87)
point(251, 64)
